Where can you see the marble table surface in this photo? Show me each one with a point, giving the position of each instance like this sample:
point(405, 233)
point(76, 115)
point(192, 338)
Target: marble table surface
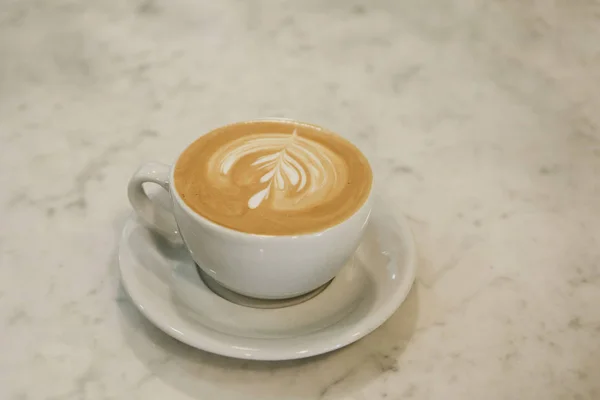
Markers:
point(480, 117)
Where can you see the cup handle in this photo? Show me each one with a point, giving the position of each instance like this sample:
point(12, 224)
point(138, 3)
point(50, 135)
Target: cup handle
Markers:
point(156, 217)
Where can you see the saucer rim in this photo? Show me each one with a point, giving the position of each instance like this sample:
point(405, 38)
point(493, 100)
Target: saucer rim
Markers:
point(321, 345)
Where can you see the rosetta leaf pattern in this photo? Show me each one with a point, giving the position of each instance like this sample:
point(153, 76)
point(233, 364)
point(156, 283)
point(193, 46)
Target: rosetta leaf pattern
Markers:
point(280, 169)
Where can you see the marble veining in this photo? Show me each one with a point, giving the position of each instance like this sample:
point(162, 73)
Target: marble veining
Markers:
point(483, 118)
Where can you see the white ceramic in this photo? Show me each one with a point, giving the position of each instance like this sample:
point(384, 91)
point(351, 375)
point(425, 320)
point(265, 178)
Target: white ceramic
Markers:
point(262, 266)
point(366, 293)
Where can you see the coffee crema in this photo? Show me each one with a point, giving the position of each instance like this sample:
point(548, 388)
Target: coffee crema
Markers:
point(273, 177)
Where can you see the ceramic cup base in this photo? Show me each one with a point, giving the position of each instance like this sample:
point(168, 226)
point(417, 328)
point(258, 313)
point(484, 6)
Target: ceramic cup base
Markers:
point(253, 302)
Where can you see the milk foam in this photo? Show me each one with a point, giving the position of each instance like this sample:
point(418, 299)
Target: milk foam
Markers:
point(294, 172)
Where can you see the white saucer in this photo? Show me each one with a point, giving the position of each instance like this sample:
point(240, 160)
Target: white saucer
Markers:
point(164, 284)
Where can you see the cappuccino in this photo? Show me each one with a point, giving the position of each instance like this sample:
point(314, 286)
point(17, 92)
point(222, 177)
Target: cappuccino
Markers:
point(273, 177)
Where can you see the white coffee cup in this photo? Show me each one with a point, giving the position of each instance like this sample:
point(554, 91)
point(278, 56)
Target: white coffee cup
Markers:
point(261, 266)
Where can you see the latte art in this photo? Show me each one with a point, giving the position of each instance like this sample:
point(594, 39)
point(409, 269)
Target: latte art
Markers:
point(296, 173)
point(273, 177)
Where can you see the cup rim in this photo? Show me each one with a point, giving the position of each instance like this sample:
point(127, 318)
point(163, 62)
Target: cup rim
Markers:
point(230, 231)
